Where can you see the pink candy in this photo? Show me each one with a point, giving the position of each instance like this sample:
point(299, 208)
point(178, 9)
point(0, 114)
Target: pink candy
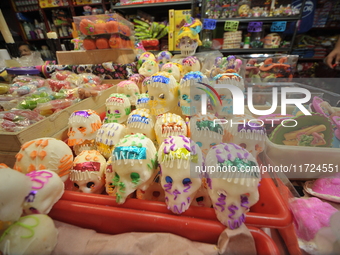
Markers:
point(328, 186)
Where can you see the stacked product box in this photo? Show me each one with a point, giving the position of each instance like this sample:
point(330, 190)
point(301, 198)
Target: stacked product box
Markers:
point(177, 19)
point(105, 31)
point(232, 40)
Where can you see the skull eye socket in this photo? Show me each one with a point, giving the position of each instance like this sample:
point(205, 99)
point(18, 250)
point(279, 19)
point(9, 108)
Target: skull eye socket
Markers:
point(197, 97)
point(90, 185)
point(185, 97)
point(168, 179)
point(186, 181)
point(161, 96)
point(108, 111)
point(151, 98)
point(134, 176)
point(76, 185)
point(117, 111)
point(82, 129)
point(243, 145)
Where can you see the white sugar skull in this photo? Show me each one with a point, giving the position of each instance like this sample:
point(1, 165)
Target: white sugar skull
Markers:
point(145, 56)
point(141, 121)
point(174, 69)
point(205, 131)
point(202, 198)
point(247, 132)
point(149, 68)
point(88, 172)
point(226, 109)
point(163, 57)
point(143, 101)
point(108, 136)
point(179, 157)
point(129, 89)
point(45, 153)
point(82, 130)
point(31, 234)
point(169, 124)
point(191, 64)
point(47, 189)
point(138, 79)
point(233, 187)
point(188, 46)
point(163, 94)
point(118, 107)
point(109, 175)
point(145, 84)
point(134, 162)
point(190, 92)
point(154, 192)
point(13, 190)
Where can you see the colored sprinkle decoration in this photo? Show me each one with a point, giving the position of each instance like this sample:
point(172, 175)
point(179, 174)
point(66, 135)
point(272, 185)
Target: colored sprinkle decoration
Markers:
point(208, 124)
point(221, 201)
point(193, 75)
point(129, 152)
point(161, 79)
point(138, 118)
point(30, 228)
point(143, 100)
point(85, 114)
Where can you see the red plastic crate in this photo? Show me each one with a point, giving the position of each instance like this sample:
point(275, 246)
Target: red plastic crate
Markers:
point(115, 220)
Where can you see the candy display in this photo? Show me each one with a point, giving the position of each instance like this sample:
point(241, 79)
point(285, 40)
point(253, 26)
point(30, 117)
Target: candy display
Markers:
point(16, 120)
point(88, 171)
point(178, 156)
point(134, 163)
point(234, 190)
point(83, 126)
point(45, 153)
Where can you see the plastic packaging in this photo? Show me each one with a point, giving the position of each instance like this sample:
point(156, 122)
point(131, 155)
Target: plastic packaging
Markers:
point(16, 120)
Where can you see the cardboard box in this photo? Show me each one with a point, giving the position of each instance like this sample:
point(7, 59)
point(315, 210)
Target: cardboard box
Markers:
point(82, 57)
point(177, 18)
point(53, 126)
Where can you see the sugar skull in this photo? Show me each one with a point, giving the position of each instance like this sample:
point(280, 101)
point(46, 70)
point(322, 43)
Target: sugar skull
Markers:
point(108, 136)
point(141, 121)
point(82, 130)
point(233, 187)
point(31, 234)
point(118, 107)
point(226, 109)
point(143, 101)
point(88, 172)
point(145, 84)
point(163, 94)
point(191, 64)
point(179, 157)
point(134, 162)
point(145, 56)
point(15, 187)
point(174, 69)
point(47, 188)
point(169, 124)
point(272, 40)
point(247, 132)
point(163, 57)
point(148, 68)
point(188, 37)
point(138, 79)
point(129, 89)
point(191, 91)
point(205, 132)
point(154, 192)
point(45, 153)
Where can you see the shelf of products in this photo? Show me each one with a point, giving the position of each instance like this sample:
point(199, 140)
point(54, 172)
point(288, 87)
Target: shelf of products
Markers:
point(261, 19)
point(148, 5)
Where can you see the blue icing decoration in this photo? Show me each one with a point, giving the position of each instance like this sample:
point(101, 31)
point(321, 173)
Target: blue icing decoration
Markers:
point(129, 152)
point(193, 75)
point(159, 78)
point(138, 118)
point(143, 100)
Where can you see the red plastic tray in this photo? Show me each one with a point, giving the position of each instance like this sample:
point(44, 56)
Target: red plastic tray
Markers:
point(115, 220)
point(270, 211)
